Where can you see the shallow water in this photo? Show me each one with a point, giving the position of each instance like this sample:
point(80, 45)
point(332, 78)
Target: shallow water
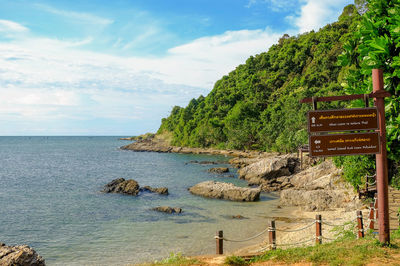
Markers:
point(50, 200)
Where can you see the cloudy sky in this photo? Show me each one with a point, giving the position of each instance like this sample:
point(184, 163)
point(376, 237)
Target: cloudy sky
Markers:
point(117, 67)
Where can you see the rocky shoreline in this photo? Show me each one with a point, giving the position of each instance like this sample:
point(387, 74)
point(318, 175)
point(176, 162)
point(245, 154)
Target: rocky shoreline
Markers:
point(319, 186)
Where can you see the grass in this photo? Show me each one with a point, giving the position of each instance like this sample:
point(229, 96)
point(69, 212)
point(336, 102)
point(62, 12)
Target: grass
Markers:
point(177, 259)
point(346, 251)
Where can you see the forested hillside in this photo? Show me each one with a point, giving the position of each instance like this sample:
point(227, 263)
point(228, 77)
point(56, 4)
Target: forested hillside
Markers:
point(257, 105)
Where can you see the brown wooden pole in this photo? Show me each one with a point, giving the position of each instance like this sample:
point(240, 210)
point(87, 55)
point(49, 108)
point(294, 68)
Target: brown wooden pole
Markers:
point(376, 205)
point(272, 235)
point(381, 162)
point(318, 229)
point(360, 224)
point(220, 242)
point(372, 216)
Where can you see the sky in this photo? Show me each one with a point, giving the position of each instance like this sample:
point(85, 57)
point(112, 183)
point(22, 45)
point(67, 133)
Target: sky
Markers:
point(118, 67)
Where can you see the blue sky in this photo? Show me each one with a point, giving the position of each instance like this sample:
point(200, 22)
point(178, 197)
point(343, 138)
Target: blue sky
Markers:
point(118, 67)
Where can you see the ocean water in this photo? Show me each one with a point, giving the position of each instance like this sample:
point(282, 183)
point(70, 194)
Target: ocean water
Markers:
point(50, 199)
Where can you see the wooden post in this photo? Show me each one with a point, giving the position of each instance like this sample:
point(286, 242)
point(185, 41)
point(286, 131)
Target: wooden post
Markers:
point(220, 242)
point(272, 235)
point(318, 229)
point(372, 216)
point(360, 224)
point(376, 205)
point(381, 161)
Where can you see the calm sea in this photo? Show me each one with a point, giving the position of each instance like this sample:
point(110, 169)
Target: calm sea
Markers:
point(50, 199)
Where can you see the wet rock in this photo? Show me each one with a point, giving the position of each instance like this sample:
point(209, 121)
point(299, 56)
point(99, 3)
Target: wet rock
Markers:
point(159, 190)
point(19, 256)
point(228, 191)
point(167, 209)
point(219, 170)
point(122, 186)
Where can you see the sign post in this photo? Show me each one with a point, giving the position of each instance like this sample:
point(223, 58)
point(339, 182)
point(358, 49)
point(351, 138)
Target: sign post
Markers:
point(381, 162)
point(366, 119)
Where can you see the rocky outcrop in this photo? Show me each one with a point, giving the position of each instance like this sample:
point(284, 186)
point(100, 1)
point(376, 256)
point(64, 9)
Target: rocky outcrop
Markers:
point(120, 185)
point(167, 209)
point(271, 172)
point(219, 170)
point(228, 191)
point(158, 144)
point(159, 190)
point(19, 256)
point(319, 188)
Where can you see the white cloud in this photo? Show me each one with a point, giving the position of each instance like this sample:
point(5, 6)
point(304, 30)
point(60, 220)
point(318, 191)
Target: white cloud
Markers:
point(11, 26)
point(44, 79)
point(315, 14)
point(76, 16)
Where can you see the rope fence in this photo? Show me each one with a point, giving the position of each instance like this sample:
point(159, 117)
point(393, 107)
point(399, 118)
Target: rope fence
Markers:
point(357, 223)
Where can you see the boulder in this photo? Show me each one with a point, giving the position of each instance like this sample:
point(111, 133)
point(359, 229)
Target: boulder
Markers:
point(317, 200)
point(167, 209)
point(269, 168)
point(120, 185)
point(219, 170)
point(159, 190)
point(19, 255)
point(228, 191)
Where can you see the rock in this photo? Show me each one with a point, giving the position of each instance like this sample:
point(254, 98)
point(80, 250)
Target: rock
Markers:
point(269, 168)
point(202, 162)
point(167, 209)
point(19, 256)
point(120, 185)
point(319, 188)
point(219, 170)
point(159, 190)
point(316, 200)
point(238, 216)
point(228, 191)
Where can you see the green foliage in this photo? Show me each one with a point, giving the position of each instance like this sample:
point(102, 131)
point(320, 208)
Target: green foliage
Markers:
point(235, 260)
point(257, 105)
point(342, 252)
point(177, 259)
point(356, 167)
point(376, 44)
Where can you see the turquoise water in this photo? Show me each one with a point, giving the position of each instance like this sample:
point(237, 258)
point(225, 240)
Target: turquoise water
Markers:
point(50, 200)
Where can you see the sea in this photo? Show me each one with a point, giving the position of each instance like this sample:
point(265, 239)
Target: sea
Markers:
point(51, 200)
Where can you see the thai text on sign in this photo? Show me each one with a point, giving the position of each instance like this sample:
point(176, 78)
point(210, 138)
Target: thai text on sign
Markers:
point(342, 120)
point(344, 144)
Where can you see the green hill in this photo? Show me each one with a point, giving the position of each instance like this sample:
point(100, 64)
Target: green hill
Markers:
point(256, 106)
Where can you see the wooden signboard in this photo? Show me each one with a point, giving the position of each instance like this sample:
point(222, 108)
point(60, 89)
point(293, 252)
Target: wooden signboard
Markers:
point(344, 144)
point(342, 120)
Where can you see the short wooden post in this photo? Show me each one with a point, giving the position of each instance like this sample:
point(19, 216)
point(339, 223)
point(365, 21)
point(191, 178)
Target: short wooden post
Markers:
point(360, 224)
point(318, 229)
point(220, 242)
point(372, 216)
point(272, 235)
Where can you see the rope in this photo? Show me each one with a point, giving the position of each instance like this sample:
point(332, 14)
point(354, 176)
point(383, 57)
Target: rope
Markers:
point(244, 240)
point(296, 230)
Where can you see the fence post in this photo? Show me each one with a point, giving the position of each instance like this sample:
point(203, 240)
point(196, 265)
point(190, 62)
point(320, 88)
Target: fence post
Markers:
point(272, 235)
point(360, 224)
point(371, 216)
point(220, 242)
point(318, 229)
